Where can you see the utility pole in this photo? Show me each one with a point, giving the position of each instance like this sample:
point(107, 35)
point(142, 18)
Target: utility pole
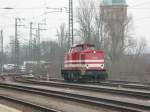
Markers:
point(71, 38)
point(39, 40)
point(35, 49)
point(31, 42)
point(31, 48)
point(2, 51)
point(17, 54)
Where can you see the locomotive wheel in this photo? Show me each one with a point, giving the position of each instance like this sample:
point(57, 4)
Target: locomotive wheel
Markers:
point(77, 78)
point(71, 77)
point(66, 77)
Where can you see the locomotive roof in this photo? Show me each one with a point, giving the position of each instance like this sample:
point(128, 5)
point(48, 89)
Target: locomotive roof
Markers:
point(81, 45)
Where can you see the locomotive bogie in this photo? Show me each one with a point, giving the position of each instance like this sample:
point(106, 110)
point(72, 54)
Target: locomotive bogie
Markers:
point(89, 75)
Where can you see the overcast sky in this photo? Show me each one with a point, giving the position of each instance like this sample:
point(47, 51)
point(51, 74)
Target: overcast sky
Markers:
point(33, 10)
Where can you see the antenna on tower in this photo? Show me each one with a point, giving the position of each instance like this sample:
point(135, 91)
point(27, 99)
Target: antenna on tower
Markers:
point(71, 39)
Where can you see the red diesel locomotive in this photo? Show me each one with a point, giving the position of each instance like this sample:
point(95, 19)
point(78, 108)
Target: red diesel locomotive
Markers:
point(84, 63)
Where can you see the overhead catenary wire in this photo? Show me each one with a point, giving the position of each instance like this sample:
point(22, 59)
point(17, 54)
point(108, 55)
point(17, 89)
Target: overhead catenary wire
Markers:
point(30, 8)
point(41, 15)
point(65, 9)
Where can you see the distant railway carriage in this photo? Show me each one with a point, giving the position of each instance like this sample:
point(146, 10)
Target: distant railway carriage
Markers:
point(84, 63)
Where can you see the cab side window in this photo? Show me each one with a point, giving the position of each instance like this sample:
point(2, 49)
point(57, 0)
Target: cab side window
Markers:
point(79, 49)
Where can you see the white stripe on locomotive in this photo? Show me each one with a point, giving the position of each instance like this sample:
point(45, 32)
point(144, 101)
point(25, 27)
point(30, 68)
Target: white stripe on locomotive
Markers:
point(80, 61)
point(85, 65)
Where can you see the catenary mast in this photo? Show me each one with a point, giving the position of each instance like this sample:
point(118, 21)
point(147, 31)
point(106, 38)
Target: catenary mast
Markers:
point(71, 38)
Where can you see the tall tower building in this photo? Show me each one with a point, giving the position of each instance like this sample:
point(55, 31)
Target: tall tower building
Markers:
point(114, 16)
point(114, 10)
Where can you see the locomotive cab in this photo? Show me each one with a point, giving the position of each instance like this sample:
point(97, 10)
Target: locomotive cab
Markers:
point(83, 62)
point(79, 48)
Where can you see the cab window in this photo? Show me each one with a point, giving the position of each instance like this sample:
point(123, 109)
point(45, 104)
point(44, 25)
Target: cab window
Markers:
point(76, 49)
point(89, 48)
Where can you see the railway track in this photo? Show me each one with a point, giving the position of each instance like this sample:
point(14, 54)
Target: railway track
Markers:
point(127, 82)
point(28, 104)
point(118, 91)
point(126, 85)
point(112, 83)
point(123, 106)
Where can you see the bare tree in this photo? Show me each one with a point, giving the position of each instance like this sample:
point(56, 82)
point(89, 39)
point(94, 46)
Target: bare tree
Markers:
point(98, 29)
point(62, 36)
point(86, 12)
point(63, 41)
point(137, 52)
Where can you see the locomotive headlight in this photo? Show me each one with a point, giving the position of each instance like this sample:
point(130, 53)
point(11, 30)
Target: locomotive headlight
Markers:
point(94, 52)
point(87, 67)
point(102, 66)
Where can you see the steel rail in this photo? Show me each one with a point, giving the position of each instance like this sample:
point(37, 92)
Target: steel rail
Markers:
point(27, 103)
point(118, 91)
point(126, 82)
point(125, 85)
point(112, 83)
point(91, 100)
